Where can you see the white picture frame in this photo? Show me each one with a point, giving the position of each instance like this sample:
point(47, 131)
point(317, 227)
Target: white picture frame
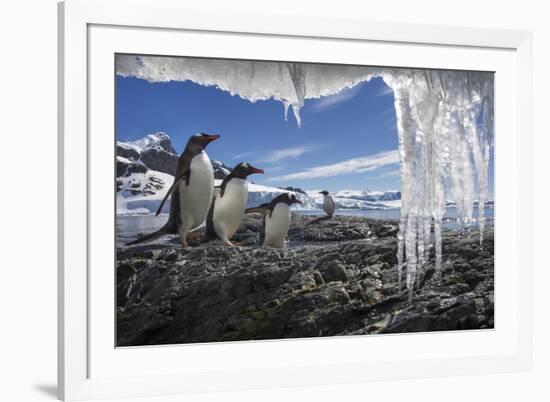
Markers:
point(90, 367)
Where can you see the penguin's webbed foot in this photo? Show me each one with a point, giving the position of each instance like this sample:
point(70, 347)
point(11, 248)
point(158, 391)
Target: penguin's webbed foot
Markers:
point(194, 236)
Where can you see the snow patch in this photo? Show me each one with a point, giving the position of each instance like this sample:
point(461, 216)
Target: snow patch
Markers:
point(142, 193)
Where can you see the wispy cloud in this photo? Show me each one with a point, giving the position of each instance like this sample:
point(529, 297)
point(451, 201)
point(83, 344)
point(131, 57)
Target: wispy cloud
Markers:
point(239, 156)
point(274, 168)
point(386, 90)
point(350, 166)
point(327, 102)
point(390, 173)
point(387, 117)
point(280, 154)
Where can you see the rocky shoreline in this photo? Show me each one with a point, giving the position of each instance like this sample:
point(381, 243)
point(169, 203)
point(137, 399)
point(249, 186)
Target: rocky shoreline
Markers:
point(336, 277)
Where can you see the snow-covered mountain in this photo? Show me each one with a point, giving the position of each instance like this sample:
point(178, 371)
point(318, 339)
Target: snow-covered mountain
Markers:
point(360, 199)
point(259, 194)
point(146, 168)
point(367, 195)
point(154, 151)
point(145, 171)
point(142, 192)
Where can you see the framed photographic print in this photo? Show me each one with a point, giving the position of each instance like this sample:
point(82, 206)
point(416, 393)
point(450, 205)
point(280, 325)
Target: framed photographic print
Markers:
point(249, 203)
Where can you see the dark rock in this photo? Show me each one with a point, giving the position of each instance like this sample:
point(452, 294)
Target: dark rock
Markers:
point(128, 153)
point(159, 155)
point(434, 303)
point(135, 167)
point(121, 167)
point(333, 271)
point(160, 160)
point(164, 142)
point(472, 277)
point(383, 230)
point(207, 293)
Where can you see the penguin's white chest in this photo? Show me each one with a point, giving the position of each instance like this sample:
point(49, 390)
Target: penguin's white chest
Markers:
point(276, 226)
point(196, 197)
point(328, 205)
point(229, 209)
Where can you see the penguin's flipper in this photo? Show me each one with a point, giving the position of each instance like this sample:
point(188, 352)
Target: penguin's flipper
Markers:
point(318, 219)
point(172, 188)
point(210, 233)
point(262, 230)
point(262, 209)
point(151, 236)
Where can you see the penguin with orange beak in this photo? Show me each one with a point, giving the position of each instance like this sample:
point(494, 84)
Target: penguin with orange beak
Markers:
point(229, 204)
point(191, 191)
point(276, 219)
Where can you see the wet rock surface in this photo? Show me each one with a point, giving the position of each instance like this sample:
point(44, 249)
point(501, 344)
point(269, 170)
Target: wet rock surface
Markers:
point(336, 277)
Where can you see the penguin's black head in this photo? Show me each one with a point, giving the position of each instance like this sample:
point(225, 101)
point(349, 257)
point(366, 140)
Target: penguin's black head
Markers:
point(290, 199)
point(324, 192)
point(199, 141)
point(243, 170)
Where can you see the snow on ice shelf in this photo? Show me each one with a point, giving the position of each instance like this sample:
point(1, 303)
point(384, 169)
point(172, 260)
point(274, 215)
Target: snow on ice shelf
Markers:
point(444, 122)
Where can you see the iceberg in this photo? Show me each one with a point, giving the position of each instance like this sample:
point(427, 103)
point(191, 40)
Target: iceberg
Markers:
point(444, 124)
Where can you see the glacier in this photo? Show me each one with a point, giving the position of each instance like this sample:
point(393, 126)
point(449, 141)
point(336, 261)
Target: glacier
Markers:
point(444, 123)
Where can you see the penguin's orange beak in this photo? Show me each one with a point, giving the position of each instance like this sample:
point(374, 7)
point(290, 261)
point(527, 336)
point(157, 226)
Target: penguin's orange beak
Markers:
point(212, 137)
point(297, 201)
point(256, 170)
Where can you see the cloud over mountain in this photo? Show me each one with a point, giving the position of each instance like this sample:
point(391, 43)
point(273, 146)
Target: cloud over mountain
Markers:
point(350, 166)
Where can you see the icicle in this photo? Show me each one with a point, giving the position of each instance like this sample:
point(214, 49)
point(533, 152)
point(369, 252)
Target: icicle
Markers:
point(296, 110)
point(486, 134)
point(421, 203)
point(410, 249)
point(286, 105)
point(439, 164)
point(406, 130)
point(401, 251)
point(298, 75)
point(437, 114)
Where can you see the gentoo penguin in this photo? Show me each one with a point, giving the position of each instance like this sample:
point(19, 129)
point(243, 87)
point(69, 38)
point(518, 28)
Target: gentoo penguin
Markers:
point(191, 191)
point(276, 219)
point(229, 204)
point(328, 203)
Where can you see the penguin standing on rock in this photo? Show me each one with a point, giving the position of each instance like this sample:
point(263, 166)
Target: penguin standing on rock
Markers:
point(328, 207)
point(328, 203)
point(191, 191)
point(229, 204)
point(276, 220)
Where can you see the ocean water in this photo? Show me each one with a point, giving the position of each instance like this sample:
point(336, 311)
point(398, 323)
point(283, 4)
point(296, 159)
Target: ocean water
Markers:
point(450, 214)
point(129, 226)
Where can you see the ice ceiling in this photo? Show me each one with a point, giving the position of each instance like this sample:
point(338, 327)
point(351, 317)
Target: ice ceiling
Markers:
point(444, 123)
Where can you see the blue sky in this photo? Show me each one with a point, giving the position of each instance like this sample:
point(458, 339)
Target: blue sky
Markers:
point(356, 127)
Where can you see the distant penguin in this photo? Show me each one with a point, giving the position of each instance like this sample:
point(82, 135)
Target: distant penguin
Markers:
point(229, 204)
point(191, 191)
point(276, 220)
point(328, 203)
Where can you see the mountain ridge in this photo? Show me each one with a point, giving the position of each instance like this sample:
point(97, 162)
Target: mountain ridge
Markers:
point(146, 169)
